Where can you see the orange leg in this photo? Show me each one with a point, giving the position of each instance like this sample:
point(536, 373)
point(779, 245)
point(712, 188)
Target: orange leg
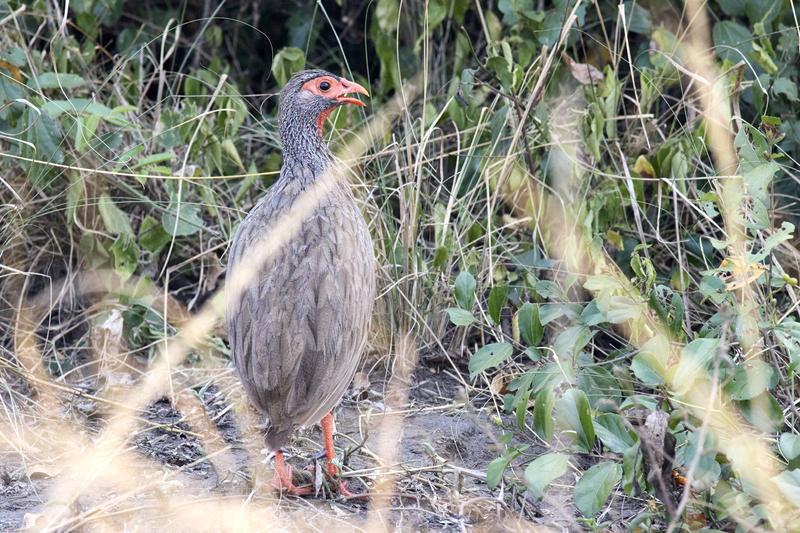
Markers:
point(327, 439)
point(330, 454)
point(283, 478)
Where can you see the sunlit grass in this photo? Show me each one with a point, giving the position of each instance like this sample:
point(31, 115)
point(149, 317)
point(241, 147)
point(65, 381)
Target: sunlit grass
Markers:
point(441, 199)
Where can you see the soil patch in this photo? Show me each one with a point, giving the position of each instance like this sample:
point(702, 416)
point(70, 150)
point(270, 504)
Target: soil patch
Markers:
point(442, 456)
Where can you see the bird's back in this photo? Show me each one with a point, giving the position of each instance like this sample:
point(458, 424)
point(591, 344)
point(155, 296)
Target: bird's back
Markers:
point(299, 325)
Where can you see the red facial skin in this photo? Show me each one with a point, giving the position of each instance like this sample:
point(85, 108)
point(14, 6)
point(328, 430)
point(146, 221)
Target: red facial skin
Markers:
point(336, 90)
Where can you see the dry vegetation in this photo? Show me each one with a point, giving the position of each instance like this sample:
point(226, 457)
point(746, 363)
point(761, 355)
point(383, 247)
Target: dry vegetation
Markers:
point(584, 214)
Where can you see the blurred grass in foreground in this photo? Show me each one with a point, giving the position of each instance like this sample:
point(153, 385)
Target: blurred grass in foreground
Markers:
point(582, 209)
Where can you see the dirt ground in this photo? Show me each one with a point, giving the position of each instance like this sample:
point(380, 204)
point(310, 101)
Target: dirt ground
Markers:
point(440, 472)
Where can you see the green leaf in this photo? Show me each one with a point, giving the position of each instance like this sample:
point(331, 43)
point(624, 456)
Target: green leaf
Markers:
point(530, 327)
point(550, 312)
point(572, 340)
point(230, 150)
point(640, 400)
point(497, 299)
point(639, 20)
point(619, 309)
point(386, 13)
point(631, 469)
point(533, 353)
point(521, 400)
point(592, 315)
point(764, 412)
point(751, 379)
point(575, 415)
point(466, 86)
point(465, 290)
point(13, 55)
point(785, 87)
point(440, 256)
point(764, 56)
point(543, 414)
point(789, 445)
point(641, 265)
point(385, 47)
point(600, 387)
point(788, 335)
point(695, 357)
point(733, 8)
point(126, 157)
point(152, 235)
point(84, 131)
point(437, 11)
point(784, 233)
point(126, 255)
point(501, 68)
point(789, 484)
point(494, 472)
point(213, 154)
point(757, 179)
point(543, 470)
point(703, 450)
point(460, 317)
point(75, 192)
point(114, 219)
point(187, 223)
point(713, 288)
point(43, 132)
point(286, 62)
point(489, 356)
point(153, 159)
point(648, 368)
point(55, 80)
point(613, 432)
point(595, 486)
point(731, 38)
point(56, 108)
point(547, 289)
point(707, 473)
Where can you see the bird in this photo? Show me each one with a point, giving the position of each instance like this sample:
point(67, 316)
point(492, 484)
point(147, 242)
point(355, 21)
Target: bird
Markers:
point(299, 323)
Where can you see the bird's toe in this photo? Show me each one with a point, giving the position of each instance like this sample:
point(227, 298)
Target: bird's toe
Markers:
point(283, 482)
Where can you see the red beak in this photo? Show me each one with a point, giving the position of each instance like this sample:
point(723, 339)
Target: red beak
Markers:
point(349, 87)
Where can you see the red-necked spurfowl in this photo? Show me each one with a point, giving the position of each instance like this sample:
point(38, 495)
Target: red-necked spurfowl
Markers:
point(298, 326)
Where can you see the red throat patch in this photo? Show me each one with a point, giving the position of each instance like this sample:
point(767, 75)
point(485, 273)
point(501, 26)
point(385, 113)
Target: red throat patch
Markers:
point(322, 118)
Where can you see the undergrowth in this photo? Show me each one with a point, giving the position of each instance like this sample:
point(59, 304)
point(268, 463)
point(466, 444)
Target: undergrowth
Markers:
point(585, 210)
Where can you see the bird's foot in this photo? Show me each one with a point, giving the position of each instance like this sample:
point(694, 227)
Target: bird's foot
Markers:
point(344, 492)
point(340, 485)
point(283, 480)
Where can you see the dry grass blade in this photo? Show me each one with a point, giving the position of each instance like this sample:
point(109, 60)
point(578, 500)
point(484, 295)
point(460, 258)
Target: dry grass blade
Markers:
point(584, 216)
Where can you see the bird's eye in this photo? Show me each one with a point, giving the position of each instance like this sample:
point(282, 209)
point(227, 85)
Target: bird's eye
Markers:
point(324, 86)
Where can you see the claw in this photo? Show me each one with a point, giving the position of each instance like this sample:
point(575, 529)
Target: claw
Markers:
point(344, 492)
point(283, 478)
point(338, 484)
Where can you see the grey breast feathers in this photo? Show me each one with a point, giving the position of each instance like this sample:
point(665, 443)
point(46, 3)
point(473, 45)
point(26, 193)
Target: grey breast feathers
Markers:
point(298, 329)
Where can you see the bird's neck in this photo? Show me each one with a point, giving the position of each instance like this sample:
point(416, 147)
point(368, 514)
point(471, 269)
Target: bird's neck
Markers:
point(303, 145)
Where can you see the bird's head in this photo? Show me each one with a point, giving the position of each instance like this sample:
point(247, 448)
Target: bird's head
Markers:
point(310, 96)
